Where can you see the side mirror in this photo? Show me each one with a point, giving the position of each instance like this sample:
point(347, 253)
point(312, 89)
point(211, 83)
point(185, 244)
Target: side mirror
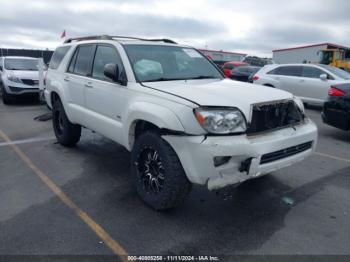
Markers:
point(112, 72)
point(323, 77)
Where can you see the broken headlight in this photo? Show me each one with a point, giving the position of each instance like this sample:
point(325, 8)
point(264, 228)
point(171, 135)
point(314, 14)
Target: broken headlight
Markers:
point(221, 120)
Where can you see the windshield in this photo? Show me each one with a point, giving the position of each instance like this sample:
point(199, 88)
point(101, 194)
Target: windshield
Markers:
point(21, 64)
point(164, 63)
point(336, 71)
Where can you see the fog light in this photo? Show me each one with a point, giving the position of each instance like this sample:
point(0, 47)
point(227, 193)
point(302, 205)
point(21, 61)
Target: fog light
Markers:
point(220, 160)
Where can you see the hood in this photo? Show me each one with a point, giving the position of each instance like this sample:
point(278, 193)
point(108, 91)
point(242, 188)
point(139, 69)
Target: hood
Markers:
point(34, 75)
point(221, 92)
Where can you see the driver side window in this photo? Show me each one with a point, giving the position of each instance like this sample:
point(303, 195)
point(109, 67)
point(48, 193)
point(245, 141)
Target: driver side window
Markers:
point(105, 55)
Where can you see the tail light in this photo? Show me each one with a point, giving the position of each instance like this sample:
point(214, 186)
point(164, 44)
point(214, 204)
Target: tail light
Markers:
point(333, 91)
point(255, 78)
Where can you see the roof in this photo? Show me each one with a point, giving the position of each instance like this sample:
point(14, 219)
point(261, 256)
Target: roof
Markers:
point(307, 46)
point(220, 51)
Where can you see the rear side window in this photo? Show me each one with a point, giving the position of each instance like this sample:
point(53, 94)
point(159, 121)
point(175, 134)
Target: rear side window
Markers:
point(82, 60)
point(58, 56)
point(228, 66)
point(287, 71)
point(312, 72)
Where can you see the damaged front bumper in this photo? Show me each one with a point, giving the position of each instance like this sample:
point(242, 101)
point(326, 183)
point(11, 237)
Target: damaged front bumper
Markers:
point(247, 156)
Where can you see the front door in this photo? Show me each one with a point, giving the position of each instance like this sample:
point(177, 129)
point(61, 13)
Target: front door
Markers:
point(106, 99)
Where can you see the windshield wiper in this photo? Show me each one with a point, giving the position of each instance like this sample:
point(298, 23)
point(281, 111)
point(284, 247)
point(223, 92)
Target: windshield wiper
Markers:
point(203, 77)
point(162, 79)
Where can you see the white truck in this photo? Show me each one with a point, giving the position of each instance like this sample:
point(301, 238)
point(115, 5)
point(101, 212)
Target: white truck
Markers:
point(183, 122)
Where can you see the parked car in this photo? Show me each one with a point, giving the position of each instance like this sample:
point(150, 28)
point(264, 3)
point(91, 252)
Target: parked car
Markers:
point(183, 122)
point(336, 110)
point(310, 82)
point(244, 73)
point(257, 61)
point(19, 76)
point(228, 66)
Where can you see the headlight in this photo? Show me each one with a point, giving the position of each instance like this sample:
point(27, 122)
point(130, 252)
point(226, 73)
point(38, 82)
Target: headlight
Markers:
point(221, 120)
point(14, 79)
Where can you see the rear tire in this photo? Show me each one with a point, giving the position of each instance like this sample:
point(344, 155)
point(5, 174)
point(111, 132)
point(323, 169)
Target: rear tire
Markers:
point(7, 99)
point(67, 134)
point(158, 174)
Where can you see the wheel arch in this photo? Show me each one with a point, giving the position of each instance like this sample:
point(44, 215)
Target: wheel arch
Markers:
point(145, 116)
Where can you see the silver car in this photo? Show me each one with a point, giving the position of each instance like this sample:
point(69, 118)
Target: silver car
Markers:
point(310, 82)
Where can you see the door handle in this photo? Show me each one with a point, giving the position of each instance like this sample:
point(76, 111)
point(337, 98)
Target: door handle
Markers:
point(89, 85)
point(66, 79)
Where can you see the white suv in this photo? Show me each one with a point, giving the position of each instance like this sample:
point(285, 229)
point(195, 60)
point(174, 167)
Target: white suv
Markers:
point(183, 122)
point(310, 82)
point(19, 75)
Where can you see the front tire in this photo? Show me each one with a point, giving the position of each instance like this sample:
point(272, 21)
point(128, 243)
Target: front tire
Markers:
point(67, 134)
point(158, 174)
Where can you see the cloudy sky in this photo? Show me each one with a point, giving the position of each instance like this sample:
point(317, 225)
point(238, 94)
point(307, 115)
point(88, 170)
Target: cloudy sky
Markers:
point(249, 26)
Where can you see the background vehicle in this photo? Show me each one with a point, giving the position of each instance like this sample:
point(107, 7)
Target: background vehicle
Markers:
point(310, 82)
point(336, 110)
point(183, 122)
point(336, 58)
point(244, 73)
point(257, 61)
point(19, 76)
point(228, 66)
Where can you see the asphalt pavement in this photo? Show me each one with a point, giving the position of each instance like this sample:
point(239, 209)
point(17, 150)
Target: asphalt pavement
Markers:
point(81, 201)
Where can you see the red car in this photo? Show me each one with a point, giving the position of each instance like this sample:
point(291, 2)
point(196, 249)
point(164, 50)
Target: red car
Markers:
point(228, 66)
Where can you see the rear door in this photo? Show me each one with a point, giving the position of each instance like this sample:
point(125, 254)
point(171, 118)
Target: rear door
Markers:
point(312, 88)
point(78, 73)
point(288, 77)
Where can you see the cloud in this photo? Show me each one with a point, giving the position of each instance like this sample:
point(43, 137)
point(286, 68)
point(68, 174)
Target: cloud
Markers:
point(254, 27)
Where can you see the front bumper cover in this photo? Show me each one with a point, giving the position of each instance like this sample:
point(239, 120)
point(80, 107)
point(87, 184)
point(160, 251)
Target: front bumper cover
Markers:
point(196, 154)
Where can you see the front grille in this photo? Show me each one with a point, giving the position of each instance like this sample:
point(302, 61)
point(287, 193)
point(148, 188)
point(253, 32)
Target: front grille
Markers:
point(30, 82)
point(19, 89)
point(290, 151)
point(274, 115)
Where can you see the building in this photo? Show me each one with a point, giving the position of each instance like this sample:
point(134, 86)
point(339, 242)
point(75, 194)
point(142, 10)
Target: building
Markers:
point(307, 53)
point(45, 54)
point(222, 56)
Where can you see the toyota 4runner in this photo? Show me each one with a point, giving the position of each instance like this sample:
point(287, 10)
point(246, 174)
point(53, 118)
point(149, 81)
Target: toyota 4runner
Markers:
point(183, 122)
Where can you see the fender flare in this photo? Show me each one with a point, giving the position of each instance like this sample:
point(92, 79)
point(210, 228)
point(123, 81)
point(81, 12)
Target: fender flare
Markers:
point(158, 115)
point(56, 87)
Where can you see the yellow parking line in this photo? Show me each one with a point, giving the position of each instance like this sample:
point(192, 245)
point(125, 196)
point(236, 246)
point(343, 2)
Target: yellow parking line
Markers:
point(99, 231)
point(333, 157)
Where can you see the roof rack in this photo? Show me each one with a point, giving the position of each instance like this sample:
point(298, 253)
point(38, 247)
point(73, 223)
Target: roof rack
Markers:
point(108, 37)
point(85, 38)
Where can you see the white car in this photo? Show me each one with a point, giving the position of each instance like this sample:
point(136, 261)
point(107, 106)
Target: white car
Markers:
point(183, 122)
point(19, 75)
point(310, 82)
